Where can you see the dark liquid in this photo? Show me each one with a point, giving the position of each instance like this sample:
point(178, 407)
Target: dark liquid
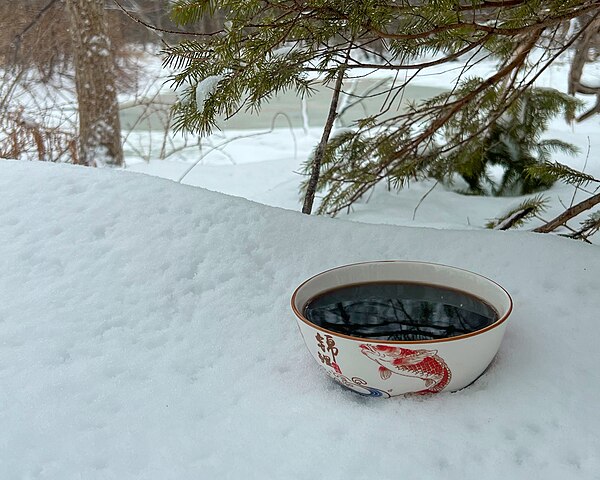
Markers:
point(399, 311)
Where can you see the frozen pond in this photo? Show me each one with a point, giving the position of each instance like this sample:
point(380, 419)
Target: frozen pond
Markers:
point(286, 109)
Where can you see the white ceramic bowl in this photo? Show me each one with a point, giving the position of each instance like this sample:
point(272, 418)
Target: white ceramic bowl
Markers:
point(424, 366)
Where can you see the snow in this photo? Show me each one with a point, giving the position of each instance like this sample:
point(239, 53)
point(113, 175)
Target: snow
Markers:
point(204, 89)
point(265, 168)
point(146, 333)
point(591, 76)
point(285, 49)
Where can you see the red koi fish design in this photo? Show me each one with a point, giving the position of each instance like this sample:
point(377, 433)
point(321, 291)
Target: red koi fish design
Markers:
point(423, 364)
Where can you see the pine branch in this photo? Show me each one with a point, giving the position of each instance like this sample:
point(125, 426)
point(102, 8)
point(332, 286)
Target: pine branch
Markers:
point(426, 139)
point(511, 32)
point(444, 116)
point(517, 216)
point(589, 227)
point(568, 214)
point(561, 172)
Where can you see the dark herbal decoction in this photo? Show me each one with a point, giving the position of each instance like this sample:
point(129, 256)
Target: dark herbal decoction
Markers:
point(399, 311)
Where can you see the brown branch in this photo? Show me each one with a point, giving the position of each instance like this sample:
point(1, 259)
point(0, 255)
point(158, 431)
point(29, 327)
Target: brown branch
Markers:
point(514, 219)
point(327, 12)
point(527, 85)
point(459, 103)
point(592, 111)
point(511, 32)
point(456, 106)
point(419, 66)
point(311, 187)
point(487, 5)
point(568, 214)
point(163, 30)
point(577, 64)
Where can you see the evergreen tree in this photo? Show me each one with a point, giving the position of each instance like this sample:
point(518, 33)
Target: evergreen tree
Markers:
point(512, 142)
point(268, 46)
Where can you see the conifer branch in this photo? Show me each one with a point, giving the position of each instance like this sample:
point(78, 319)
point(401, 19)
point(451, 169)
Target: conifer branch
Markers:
point(562, 172)
point(269, 46)
point(517, 216)
point(589, 227)
point(474, 26)
point(568, 214)
point(444, 116)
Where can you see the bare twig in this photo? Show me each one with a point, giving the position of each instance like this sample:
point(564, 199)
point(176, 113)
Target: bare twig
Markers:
point(162, 30)
point(577, 186)
point(31, 24)
point(423, 198)
point(256, 134)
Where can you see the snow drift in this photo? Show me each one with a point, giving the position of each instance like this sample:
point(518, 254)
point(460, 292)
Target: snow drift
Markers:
point(146, 333)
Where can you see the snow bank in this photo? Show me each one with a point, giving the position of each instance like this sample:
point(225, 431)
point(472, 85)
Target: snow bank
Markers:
point(146, 333)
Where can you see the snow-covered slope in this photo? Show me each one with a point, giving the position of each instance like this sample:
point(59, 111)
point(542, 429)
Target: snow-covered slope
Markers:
point(145, 333)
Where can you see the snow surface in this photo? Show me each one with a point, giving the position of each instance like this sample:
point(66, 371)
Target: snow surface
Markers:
point(590, 75)
point(265, 168)
point(146, 334)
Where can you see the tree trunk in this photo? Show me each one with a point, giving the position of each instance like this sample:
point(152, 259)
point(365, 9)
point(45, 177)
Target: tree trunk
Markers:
point(311, 188)
point(587, 43)
point(99, 126)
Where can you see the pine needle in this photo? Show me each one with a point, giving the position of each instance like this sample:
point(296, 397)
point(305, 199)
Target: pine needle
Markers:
point(519, 215)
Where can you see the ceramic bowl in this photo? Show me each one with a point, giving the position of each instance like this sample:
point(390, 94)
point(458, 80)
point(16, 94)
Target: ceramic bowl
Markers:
point(420, 367)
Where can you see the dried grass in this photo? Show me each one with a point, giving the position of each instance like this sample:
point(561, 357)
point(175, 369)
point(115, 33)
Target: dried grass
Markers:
point(25, 139)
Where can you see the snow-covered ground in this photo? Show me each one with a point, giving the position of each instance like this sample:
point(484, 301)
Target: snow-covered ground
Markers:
point(146, 333)
point(266, 169)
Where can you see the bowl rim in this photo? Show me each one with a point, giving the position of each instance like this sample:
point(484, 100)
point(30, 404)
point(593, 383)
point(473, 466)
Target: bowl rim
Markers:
point(497, 323)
